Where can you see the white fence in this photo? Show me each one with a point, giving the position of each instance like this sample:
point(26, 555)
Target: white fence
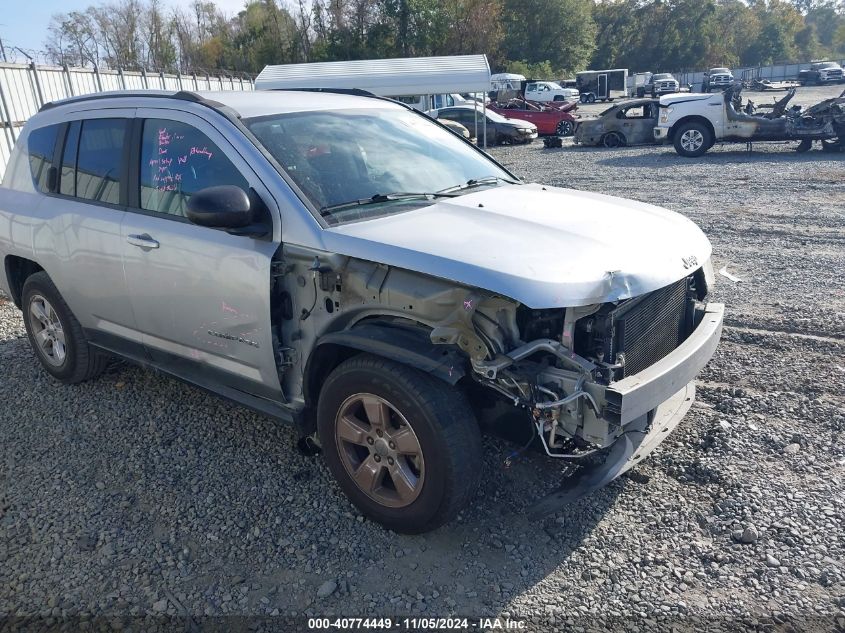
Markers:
point(780, 72)
point(24, 88)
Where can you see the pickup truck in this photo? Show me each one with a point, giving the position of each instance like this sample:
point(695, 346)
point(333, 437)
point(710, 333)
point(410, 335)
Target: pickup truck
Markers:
point(821, 73)
point(693, 123)
point(717, 79)
point(346, 264)
point(548, 91)
point(658, 84)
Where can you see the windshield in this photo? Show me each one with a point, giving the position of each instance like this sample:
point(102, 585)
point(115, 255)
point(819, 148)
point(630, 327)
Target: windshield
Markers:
point(553, 85)
point(663, 76)
point(341, 159)
point(723, 71)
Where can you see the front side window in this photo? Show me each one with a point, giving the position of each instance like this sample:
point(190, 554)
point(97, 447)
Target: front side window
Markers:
point(348, 156)
point(41, 145)
point(177, 160)
point(100, 159)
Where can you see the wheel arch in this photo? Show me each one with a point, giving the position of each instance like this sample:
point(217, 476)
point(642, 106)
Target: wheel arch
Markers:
point(18, 270)
point(694, 118)
point(407, 345)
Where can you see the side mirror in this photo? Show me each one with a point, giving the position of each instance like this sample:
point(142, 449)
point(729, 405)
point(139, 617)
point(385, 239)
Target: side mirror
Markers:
point(223, 206)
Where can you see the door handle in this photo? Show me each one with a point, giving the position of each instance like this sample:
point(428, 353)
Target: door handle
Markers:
point(143, 241)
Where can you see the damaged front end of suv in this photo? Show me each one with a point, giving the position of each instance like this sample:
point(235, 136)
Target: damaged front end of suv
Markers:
point(603, 384)
point(599, 363)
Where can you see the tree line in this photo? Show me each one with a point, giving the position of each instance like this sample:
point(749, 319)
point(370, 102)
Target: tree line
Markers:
point(542, 38)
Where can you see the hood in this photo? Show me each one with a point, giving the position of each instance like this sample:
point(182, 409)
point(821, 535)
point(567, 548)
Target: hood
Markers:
point(687, 96)
point(542, 246)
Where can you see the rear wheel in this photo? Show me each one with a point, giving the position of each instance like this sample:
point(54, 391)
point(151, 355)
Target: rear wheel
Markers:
point(403, 446)
point(564, 128)
point(55, 335)
point(613, 139)
point(692, 139)
point(591, 98)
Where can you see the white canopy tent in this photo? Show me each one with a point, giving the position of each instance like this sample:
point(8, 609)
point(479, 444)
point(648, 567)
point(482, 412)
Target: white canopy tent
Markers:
point(386, 77)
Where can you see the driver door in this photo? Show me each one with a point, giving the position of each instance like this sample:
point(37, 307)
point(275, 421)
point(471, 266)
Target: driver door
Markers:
point(200, 296)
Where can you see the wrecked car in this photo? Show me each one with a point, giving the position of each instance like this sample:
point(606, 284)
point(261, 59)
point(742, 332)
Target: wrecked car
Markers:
point(549, 120)
point(694, 123)
point(628, 123)
point(346, 264)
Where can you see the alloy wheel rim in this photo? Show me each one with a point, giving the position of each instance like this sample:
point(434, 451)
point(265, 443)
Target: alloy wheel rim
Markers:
point(692, 140)
point(379, 450)
point(47, 330)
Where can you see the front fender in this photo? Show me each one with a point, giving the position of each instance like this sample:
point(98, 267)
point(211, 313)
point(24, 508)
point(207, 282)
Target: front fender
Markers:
point(407, 345)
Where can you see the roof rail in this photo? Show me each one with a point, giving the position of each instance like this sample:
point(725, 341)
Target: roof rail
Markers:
point(184, 95)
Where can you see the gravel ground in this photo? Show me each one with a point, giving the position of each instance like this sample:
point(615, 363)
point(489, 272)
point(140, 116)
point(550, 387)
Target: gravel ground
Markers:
point(136, 496)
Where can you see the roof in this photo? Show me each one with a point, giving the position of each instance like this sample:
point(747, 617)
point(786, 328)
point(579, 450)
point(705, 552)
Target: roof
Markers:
point(246, 104)
point(385, 77)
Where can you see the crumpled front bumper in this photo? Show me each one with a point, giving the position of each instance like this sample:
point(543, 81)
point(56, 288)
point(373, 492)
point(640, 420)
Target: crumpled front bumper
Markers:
point(648, 406)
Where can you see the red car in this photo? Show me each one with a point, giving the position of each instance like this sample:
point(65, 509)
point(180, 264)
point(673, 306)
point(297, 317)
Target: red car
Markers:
point(549, 119)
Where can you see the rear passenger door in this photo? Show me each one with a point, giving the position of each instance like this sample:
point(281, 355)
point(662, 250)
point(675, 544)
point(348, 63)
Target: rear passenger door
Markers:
point(201, 297)
point(78, 241)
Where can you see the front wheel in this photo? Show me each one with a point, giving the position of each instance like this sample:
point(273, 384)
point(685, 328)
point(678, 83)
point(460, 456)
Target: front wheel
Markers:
point(403, 445)
point(55, 335)
point(693, 140)
point(565, 128)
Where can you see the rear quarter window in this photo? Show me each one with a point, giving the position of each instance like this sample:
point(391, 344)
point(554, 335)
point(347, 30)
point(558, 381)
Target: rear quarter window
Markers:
point(41, 146)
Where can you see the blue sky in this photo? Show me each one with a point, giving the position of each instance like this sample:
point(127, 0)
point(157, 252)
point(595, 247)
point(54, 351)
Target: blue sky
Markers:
point(27, 27)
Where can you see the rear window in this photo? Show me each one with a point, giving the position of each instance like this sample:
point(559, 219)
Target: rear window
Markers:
point(41, 146)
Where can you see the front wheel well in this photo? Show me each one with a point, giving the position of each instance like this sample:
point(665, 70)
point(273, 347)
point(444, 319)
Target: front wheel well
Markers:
point(406, 345)
point(18, 270)
point(692, 119)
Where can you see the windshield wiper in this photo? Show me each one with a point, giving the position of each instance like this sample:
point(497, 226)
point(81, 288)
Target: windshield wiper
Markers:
point(384, 197)
point(479, 182)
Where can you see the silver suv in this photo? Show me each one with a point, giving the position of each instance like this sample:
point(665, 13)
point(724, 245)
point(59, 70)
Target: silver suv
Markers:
point(349, 265)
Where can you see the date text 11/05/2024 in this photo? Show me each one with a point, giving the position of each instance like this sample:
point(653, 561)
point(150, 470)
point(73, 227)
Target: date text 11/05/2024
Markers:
point(417, 624)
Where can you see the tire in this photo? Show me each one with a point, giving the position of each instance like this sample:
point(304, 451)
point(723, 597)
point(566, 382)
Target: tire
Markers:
point(692, 139)
point(613, 139)
point(640, 93)
point(55, 335)
point(565, 128)
point(583, 98)
point(431, 418)
point(591, 98)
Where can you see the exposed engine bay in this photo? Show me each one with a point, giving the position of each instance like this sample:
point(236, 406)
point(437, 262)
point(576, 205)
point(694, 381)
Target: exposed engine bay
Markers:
point(564, 358)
